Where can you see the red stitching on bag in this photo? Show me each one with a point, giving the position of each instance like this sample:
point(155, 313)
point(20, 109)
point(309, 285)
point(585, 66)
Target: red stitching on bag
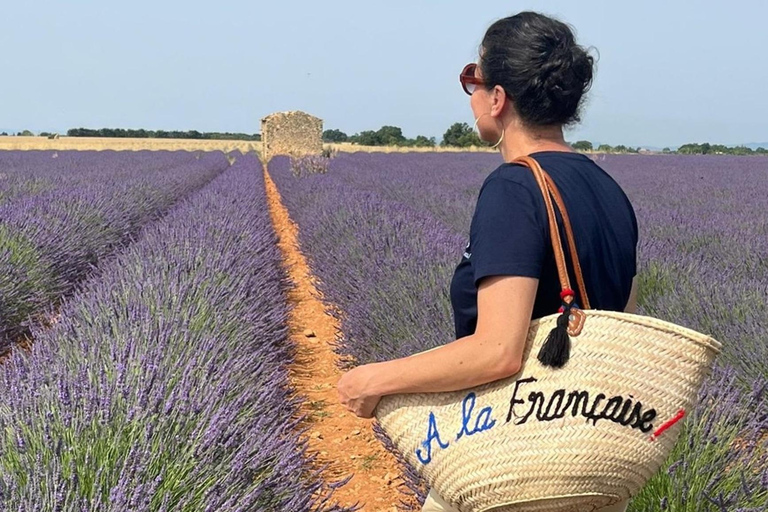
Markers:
point(668, 424)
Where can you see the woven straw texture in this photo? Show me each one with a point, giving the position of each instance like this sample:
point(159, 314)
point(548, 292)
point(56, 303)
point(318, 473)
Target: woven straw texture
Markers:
point(552, 439)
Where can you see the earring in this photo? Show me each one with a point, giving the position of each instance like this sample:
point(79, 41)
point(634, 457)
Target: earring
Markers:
point(474, 128)
point(500, 139)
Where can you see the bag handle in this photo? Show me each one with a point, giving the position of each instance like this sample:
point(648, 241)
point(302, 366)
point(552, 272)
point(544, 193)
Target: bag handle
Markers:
point(571, 240)
point(556, 348)
point(547, 187)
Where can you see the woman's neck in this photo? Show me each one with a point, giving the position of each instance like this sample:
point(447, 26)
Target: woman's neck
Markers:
point(519, 141)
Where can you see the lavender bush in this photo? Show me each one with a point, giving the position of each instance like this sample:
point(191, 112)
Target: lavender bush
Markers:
point(309, 164)
point(452, 180)
point(29, 173)
point(371, 256)
point(720, 462)
point(75, 210)
point(383, 233)
point(164, 385)
point(703, 247)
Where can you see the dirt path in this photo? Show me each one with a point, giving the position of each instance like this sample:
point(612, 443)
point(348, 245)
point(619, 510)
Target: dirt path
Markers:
point(340, 439)
point(24, 341)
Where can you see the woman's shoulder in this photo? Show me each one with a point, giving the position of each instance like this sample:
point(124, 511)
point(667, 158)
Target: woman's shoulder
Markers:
point(511, 191)
point(553, 162)
point(510, 173)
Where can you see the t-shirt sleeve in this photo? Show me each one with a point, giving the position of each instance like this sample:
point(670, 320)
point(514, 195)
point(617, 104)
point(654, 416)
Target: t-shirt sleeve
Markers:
point(506, 234)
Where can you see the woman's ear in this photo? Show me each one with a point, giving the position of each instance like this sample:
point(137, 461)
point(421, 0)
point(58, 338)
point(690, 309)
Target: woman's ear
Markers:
point(499, 100)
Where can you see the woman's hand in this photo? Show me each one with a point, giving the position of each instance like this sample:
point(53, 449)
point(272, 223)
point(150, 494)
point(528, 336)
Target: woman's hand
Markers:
point(354, 394)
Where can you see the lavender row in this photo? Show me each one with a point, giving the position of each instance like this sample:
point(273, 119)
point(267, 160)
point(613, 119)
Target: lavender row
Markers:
point(164, 385)
point(704, 247)
point(444, 185)
point(374, 256)
point(88, 204)
point(385, 254)
point(37, 173)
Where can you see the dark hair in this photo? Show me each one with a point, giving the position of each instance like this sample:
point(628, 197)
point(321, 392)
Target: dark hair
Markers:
point(541, 68)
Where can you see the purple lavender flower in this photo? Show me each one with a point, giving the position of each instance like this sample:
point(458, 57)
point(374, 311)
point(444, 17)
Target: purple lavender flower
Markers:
point(182, 337)
point(60, 217)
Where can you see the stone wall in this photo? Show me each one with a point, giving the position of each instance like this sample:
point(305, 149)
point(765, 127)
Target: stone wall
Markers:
point(291, 133)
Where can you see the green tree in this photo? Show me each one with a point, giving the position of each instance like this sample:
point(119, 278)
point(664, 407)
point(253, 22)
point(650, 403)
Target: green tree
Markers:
point(365, 138)
point(26, 133)
point(390, 136)
point(690, 149)
point(582, 145)
point(742, 150)
point(605, 148)
point(422, 141)
point(456, 134)
point(334, 136)
point(666, 151)
point(384, 136)
point(461, 135)
point(720, 149)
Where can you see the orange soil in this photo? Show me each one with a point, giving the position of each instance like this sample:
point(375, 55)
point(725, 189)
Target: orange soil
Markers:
point(340, 439)
point(24, 341)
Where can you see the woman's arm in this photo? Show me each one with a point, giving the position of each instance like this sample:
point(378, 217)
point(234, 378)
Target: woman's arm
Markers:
point(632, 302)
point(493, 352)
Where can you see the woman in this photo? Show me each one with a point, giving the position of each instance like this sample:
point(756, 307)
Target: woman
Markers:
point(528, 84)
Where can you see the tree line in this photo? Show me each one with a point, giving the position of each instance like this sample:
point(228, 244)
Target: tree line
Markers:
point(686, 149)
point(718, 149)
point(384, 136)
point(159, 134)
point(143, 134)
point(463, 136)
point(457, 135)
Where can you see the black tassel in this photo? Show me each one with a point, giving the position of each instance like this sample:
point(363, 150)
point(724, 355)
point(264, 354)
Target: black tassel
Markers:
point(557, 347)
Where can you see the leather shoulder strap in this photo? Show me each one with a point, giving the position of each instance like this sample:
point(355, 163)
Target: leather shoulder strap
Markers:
point(549, 190)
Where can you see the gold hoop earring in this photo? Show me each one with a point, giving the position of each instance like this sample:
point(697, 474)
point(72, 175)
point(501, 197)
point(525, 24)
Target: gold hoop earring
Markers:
point(500, 139)
point(474, 128)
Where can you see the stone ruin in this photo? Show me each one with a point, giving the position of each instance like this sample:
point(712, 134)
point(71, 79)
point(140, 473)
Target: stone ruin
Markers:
point(296, 134)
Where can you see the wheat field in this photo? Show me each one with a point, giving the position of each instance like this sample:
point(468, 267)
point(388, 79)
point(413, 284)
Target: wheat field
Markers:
point(227, 146)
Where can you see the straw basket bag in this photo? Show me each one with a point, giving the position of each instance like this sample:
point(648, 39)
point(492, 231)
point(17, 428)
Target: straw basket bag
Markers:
point(590, 417)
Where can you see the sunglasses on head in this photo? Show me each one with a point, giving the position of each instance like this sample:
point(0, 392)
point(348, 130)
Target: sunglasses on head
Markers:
point(469, 81)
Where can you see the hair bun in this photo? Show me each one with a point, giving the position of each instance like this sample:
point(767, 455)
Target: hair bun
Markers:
point(567, 71)
point(538, 62)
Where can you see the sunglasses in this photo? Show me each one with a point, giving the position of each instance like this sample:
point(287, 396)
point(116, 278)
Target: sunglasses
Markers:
point(469, 81)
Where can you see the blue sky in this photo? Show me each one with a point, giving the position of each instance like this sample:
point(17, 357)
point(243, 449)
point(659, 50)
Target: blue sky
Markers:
point(668, 72)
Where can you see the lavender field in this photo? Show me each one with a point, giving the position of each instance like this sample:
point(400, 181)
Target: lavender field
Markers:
point(163, 386)
point(383, 233)
point(61, 213)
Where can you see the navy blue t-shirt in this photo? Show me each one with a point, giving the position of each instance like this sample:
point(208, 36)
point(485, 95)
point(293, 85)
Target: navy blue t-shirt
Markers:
point(509, 235)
